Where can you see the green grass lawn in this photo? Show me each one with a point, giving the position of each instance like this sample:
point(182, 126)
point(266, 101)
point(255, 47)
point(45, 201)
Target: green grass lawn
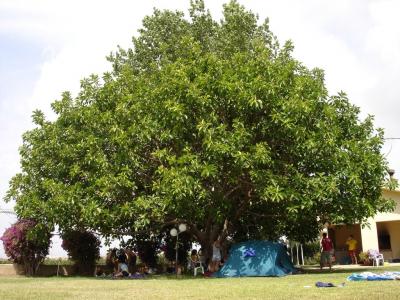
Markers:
point(163, 287)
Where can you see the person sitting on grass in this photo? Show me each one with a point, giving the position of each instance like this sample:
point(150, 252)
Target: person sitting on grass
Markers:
point(202, 258)
point(100, 272)
point(132, 258)
point(112, 260)
point(123, 270)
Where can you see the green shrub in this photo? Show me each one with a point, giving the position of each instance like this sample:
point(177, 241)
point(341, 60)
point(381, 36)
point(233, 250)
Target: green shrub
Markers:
point(146, 247)
point(169, 247)
point(83, 249)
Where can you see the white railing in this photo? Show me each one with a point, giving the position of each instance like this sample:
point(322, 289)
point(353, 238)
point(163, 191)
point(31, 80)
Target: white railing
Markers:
point(7, 211)
point(297, 258)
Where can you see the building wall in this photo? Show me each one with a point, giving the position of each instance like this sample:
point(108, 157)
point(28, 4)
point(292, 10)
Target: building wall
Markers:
point(384, 222)
point(367, 236)
point(340, 233)
point(393, 229)
point(393, 216)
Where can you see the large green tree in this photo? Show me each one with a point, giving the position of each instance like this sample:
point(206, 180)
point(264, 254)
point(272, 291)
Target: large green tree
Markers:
point(209, 123)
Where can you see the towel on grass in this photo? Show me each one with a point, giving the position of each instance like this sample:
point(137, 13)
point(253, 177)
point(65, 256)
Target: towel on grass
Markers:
point(373, 276)
point(327, 284)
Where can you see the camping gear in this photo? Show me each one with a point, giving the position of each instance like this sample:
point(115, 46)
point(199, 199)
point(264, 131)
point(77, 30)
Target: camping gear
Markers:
point(321, 284)
point(324, 284)
point(257, 258)
point(373, 276)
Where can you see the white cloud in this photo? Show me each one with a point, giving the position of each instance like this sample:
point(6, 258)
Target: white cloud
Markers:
point(384, 37)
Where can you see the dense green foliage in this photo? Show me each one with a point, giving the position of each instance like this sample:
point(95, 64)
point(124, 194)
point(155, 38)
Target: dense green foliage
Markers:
point(147, 247)
point(209, 123)
point(83, 248)
point(170, 244)
point(27, 243)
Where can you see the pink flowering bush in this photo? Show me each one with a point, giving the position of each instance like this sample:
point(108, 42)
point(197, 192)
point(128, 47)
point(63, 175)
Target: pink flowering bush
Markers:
point(27, 243)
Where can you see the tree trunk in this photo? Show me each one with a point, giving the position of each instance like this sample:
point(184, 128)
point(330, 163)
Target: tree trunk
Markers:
point(29, 267)
point(208, 237)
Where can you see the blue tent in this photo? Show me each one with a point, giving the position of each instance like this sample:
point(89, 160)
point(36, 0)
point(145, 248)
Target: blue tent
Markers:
point(256, 258)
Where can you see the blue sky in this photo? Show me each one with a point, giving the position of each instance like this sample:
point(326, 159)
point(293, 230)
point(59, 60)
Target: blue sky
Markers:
point(47, 47)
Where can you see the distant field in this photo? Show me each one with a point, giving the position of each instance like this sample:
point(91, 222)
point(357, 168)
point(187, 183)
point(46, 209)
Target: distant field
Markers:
point(163, 287)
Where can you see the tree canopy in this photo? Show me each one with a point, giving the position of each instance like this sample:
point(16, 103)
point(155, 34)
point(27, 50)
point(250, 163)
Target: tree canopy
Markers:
point(214, 124)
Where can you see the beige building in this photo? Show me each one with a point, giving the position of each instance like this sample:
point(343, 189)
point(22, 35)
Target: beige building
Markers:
point(383, 234)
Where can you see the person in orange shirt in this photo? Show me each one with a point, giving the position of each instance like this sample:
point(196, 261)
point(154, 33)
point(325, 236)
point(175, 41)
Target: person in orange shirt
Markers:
point(351, 248)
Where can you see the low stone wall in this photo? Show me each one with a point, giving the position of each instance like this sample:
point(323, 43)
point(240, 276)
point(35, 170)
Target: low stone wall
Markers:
point(44, 270)
point(7, 270)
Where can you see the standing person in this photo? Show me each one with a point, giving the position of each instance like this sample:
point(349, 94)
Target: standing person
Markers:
point(216, 256)
point(351, 248)
point(326, 254)
point(202, 258)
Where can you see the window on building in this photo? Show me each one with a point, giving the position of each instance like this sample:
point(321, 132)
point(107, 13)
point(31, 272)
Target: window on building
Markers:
point(384, 241)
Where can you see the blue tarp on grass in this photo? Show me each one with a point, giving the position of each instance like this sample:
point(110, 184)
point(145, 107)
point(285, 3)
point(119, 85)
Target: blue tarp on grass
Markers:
point(373, 276)
point(257, 258)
